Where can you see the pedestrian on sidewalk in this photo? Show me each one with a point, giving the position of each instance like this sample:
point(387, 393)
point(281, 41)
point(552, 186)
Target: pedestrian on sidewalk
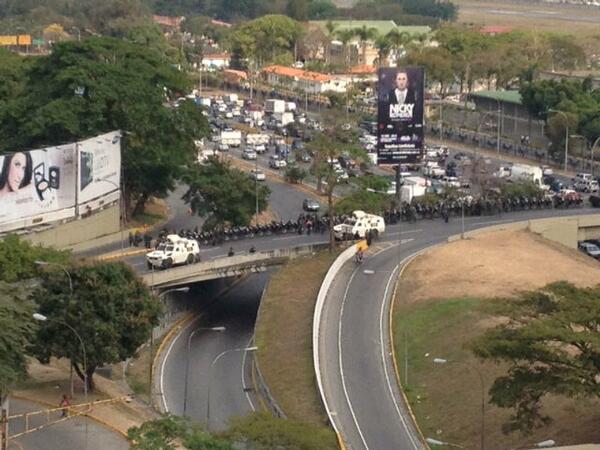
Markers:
point(65, 404)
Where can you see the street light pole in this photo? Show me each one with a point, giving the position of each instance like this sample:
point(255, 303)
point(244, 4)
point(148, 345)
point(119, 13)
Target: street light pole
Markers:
point(43, 318)
point(469, 366)
point(219, 356)
point(121, 211)
point(498, 125)
point(566, 133)
point(187, 362)
point(593, 147)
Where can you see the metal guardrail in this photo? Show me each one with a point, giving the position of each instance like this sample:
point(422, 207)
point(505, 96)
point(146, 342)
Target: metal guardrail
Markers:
point(263, 388)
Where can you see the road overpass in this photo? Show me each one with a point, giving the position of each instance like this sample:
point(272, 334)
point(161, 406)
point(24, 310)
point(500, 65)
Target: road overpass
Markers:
point(227, 267)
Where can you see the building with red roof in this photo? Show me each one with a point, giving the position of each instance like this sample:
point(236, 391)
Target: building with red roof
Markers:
point(304, 80)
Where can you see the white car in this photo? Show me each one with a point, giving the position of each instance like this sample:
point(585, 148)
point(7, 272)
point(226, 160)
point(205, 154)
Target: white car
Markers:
point(260, 148)
point(223, 147)
point(229, 115)
point(451, 182)
point(258, 175)
point(276, 162)
point(249, 154)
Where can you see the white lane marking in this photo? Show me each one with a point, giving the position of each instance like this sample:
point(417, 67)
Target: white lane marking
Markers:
point(218, 256)
point(492, 221)
point(244, 387)
point(164, 362)
point(383, 353)
point(362, 437)
point(284, 238)
point(404, 232)
point(138, 264)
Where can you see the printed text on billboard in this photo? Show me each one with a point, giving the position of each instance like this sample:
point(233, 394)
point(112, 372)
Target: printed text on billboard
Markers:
point(400, 115)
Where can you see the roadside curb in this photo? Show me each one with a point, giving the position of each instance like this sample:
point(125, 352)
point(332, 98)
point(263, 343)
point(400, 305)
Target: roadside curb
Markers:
point(393, 348)
point(167, 338)
point(96, 419)
point(110, 256)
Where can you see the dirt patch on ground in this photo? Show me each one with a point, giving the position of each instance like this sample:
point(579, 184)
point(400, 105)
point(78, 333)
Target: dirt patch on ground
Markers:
point(494, 264)
point(443, 303)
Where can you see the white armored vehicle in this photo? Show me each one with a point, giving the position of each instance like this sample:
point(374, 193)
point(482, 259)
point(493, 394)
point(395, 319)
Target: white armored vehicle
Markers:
point(175, 250)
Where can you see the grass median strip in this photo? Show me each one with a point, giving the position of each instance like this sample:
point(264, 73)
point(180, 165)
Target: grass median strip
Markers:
point(284, 338)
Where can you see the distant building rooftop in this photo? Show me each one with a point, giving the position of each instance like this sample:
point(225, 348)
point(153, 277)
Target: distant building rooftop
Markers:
point(503, 96)
point(382, 26)
point(362, 69)
point(173, 22)
point(297, 73)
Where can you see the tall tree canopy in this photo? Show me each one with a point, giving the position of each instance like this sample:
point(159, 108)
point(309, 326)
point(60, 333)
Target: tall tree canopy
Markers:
point(110, 308)
point(552, 345)
point(223, 194)
point(100, 84)
point(266, 38)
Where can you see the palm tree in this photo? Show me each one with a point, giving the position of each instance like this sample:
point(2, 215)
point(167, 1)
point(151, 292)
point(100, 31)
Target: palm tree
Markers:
point(398, 39)
point(383, 49)
point(365, 34)
point(331, 30)
point(345, 36)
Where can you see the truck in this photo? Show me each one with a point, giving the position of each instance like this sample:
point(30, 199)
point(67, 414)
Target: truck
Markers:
point(257, 138)
point(233, 138)
point(284, 118)
point(358, 225)
point(524, 172)
point(290, 106)
point(173, 251)
point(410, 191)
point(275, 106)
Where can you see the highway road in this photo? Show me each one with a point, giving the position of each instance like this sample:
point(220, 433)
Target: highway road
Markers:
point(67, 435)
point(358, 376)
point(229, 379)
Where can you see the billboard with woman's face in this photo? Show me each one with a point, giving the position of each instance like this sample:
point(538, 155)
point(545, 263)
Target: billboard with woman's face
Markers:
point(400, 115)
point(37, 183)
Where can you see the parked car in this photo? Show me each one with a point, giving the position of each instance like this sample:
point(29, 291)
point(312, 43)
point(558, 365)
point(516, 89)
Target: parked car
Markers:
point(258, 175)
point(310, 204)
point(590, 249)
point(249, 154)
point(223, 147)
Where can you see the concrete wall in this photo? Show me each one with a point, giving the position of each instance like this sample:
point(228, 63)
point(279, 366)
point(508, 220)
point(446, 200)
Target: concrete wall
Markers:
point(567, 231)
point(72, 233)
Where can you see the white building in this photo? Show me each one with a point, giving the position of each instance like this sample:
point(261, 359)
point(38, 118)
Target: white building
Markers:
point(216, 61)
point(304, 80)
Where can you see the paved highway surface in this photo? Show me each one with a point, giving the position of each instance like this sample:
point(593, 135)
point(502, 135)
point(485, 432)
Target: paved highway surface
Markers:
point(229, 379)
point(356, 366)
point(67, 435)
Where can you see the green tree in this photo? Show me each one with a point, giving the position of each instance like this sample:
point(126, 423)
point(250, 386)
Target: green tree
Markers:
point(326, 151)
point(371, 202)
point(18, 256)
point(265, 38)
point(110, 308)
point(552, 345)
point(263, 431)
point(297, 9)
point(124, 87)
point(159, 434)
point(223, 194)
point(294, 174)
point(345, 36)
point(365, 34)
point(16, 332)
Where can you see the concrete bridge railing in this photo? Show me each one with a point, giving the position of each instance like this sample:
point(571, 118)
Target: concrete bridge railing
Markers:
point(226, 267)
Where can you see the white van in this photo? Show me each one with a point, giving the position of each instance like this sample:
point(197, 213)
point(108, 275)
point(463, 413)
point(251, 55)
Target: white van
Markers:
point(358, 225)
